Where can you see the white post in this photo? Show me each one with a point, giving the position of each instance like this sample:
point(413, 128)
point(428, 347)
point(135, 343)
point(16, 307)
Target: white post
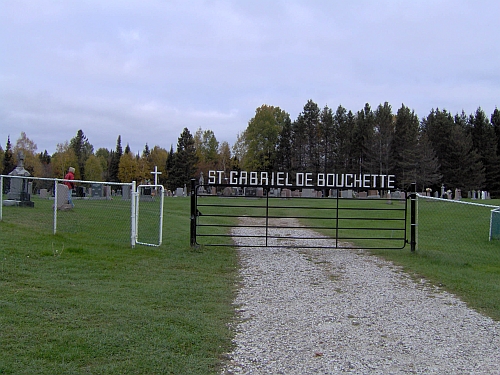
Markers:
point(55, 206)
point(1, 197)
point(133, 214)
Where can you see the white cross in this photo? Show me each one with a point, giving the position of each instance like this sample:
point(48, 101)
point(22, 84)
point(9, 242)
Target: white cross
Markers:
point(156, 173)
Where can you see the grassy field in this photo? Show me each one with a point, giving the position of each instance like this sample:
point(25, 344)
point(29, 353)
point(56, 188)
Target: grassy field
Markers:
point(83, 301)
point(87, 303)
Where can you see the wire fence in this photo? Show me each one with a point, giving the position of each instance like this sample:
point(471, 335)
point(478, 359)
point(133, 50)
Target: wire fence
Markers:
point(456, 229)
point(102, 209)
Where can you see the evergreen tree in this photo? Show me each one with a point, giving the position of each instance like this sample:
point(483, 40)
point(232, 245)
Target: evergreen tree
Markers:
point(382, 140)
point(405, 153)
point(328, 140)
point(495, 120)
point(184, 161)
point(8, 159)
point(427, 166)
point(115, 161)
point(485, 143)
point(362, 151)
point(345, 124)
point(284, 147)
point(82, 149)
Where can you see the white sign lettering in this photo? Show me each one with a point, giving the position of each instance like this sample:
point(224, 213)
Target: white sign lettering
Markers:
point(303, 179)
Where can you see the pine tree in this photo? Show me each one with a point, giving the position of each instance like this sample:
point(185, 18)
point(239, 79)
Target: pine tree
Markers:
point(405, 154)
point(115, 161)
point(362, 151)
point(8, 160)
point(184, 161)
point(83, 149)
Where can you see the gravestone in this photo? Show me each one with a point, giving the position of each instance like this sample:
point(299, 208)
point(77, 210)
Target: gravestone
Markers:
point(259, 192)
point(179, 192)
point(308, 193)
point(44, 194)
point(362, 194)
point(96, 190)
point(19, 187)
point(107, 192)
point(333, 193)
point(126, 192)
point(62, 197)
point(373, 194)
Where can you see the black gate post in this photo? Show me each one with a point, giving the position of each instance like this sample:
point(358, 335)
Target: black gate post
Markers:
point(413, 217)
point(193, 213)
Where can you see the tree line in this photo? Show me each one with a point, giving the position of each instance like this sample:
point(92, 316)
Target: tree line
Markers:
point(458, 151)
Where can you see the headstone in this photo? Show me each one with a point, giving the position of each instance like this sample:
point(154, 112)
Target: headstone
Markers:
point(126, 190)
point(396, 195)
point(333, 193)
point(107, 193)
point(19, 186)
point(373, 194)
point(295, 193)
point(260, 192)
point(96, 190)
point(458, 194)
point(44, 194)
point(227, 192)
point(214, 190)
point(179, 192)
point(308, 193)
point(62, 197)
point(362, 194)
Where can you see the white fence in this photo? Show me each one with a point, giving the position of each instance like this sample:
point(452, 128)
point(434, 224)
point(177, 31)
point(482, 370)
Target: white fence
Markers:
point(106, 210)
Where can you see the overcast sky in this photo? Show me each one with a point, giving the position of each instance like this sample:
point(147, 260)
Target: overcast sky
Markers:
point(145, 69)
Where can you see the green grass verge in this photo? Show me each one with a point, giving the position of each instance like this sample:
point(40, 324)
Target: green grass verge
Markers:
point(82, 302)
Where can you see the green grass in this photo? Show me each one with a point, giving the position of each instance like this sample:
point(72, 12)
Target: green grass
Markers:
point(454, 251)
point(82, 302)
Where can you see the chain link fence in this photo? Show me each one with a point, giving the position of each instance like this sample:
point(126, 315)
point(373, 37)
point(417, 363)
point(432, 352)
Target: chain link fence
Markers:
point(458, 229)
point(102, 209)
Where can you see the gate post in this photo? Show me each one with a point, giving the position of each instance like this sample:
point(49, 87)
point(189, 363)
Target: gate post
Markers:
point(413, 217)
point(193, 213)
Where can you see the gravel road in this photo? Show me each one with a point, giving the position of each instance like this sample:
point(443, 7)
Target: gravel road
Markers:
point(320, 311)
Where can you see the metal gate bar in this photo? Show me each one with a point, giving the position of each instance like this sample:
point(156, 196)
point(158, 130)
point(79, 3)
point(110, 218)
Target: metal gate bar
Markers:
point(371, 223)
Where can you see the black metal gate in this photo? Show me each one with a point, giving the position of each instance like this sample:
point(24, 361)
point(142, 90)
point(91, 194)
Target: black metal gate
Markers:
point(272, 216)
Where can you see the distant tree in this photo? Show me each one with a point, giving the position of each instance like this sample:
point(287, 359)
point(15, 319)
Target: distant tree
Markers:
point(239, 149)
point(8, 159)
point(383, 137)
point(345, 124)
point(495, 120)
point(405, 152)
point(31, 162)
point(363, 142)
point(82, 149)
point(115, 161)
point(485, 142)
point(461, 166)
point(306, 139)
point(427, 168)
point(158, 158)
point(127, 169)
point(2, 155)
point(169, 166)
point(93, 169)
point(63, 158)
point(284, 148)
point(261, 138)
point(184, 162)
point(327, 140)
point(224, 159)
point(207, 150)
point(104, 156)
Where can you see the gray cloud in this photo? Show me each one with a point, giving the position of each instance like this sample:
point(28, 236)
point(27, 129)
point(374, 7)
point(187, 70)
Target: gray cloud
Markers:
point(147, 69)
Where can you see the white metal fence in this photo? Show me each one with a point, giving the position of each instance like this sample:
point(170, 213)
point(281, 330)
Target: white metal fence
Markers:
point(107, 211)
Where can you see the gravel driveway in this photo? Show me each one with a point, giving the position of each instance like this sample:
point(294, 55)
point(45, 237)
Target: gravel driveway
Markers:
point(344, 311)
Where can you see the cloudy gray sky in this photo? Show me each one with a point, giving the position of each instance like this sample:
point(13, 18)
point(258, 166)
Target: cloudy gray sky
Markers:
point(145, 69)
